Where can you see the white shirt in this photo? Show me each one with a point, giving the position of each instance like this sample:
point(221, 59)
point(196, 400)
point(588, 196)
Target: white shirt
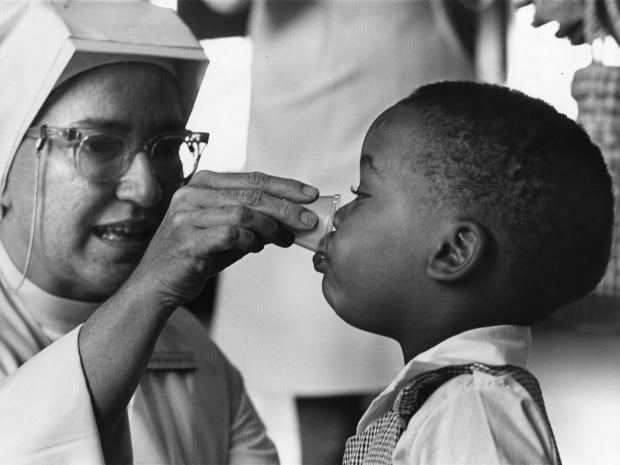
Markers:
point(192, 411)
point(475, 418)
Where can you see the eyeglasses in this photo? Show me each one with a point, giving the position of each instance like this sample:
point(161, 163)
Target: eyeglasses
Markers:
point(106, 156)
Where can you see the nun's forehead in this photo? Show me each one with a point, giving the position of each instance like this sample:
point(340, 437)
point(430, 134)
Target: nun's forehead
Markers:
point(91, 91)
point(43, 43)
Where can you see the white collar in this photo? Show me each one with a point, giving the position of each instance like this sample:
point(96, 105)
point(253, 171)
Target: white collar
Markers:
point(492, 345)
point(55, 315)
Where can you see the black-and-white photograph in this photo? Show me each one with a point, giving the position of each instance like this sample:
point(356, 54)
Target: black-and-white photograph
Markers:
point(309, 232)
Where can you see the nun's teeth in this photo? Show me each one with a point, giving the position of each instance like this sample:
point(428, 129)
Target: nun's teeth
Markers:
point(119, 233)
point(111, 234)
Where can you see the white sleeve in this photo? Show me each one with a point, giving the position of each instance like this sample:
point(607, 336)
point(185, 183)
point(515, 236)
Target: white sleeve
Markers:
point(46, 415)
point(249, 440)
point(477, 419)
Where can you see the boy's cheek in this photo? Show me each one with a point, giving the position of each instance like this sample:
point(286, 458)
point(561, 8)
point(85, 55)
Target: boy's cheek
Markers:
point(340, 305)
point(327, 293)
point(340, 291)
point(333, 296)
point(336, 281)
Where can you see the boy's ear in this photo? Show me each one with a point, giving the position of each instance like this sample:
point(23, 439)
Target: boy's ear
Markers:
point(458, 253)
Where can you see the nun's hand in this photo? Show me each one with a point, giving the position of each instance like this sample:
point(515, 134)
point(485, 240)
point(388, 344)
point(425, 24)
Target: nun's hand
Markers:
point(215, 220)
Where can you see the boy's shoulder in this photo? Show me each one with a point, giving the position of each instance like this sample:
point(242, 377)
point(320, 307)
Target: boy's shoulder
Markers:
point(474, 389)
point(476, 385)
point(483, 415)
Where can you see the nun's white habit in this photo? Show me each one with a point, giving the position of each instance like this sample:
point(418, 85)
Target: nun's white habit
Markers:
point(191, 405)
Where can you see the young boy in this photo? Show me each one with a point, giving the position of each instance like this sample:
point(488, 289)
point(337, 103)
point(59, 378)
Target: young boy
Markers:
point(479, 212)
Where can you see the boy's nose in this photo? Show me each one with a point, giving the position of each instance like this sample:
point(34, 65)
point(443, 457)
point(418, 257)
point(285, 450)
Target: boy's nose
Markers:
point(139, 184)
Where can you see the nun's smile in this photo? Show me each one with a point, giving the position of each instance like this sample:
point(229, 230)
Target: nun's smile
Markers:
point(89, 236)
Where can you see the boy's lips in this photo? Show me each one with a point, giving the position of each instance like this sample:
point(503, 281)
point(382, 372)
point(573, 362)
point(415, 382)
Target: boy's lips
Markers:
point(319, 260)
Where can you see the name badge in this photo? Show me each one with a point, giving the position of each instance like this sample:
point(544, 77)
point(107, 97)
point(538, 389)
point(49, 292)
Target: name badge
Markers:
point(172, 360)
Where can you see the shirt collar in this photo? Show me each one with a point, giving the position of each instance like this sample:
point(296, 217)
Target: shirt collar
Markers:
point(55, 315)
point(492, 345)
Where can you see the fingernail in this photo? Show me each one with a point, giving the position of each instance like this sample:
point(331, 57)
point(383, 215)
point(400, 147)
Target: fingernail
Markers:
point(308, 218)
point(309, 190)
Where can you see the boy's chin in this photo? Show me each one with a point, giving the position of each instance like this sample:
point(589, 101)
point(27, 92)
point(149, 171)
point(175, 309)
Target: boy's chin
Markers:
point(348, 312)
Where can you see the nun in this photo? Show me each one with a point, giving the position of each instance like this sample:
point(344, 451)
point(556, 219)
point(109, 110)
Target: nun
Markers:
point(106, 230)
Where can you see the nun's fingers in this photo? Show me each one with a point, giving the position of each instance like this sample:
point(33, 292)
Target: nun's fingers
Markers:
point(290, 189)
point(232, 221)
point(272, 199)
point(230, 228)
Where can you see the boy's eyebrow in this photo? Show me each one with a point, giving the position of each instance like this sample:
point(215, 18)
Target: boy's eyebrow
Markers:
point(366, 162)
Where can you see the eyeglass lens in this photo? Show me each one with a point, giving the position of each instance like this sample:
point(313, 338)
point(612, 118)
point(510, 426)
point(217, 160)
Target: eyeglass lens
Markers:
point(175, 157)
point(101, 157)
point(104, 157)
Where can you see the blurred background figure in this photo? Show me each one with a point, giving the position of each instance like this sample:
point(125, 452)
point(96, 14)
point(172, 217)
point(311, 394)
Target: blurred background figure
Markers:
point(576, 353)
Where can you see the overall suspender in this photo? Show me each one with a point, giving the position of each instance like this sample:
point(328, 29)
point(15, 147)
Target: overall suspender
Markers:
point(375, 445)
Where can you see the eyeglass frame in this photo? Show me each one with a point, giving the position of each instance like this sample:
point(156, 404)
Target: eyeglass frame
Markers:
point(77, 136)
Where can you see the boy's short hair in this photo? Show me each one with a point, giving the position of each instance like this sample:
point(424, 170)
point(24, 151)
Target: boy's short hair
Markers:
point(532, 175)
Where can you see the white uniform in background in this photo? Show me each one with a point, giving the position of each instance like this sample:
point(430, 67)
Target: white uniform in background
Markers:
point(321, 72)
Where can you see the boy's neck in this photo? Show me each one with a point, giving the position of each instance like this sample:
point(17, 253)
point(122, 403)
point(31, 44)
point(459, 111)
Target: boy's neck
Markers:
point(422, 337)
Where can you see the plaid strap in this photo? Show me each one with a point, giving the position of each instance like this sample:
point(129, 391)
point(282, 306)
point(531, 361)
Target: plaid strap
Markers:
point(375, 445)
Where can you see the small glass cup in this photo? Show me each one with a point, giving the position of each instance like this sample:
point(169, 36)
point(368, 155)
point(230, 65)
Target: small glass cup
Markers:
point(325, 207)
